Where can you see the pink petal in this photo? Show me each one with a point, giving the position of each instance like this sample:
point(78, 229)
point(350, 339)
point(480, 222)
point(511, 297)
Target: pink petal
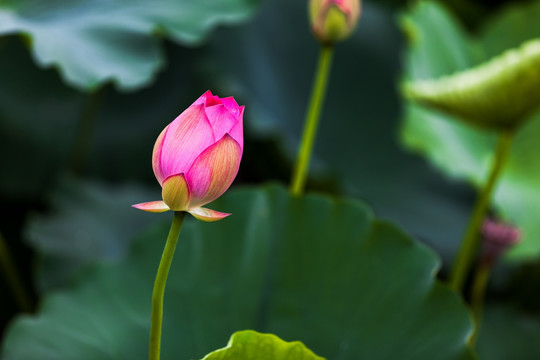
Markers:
point(230, 104)
point(207, 215)
point(203, 98)
point(213, 100)
point(214, 171)
point(176, 193)
point(241, 111)
point(156, 157)
point(237, 131)
point(152, 206)
point(208, 99)
point(186, 137)
point(221, 119)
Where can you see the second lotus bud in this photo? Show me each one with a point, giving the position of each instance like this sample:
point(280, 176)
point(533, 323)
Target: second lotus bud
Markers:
point(333, 20)
point(498, 238)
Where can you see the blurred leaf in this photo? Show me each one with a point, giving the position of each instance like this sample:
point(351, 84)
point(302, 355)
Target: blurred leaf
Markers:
point(37, 124)
point(431, 56)
point(514, 25)
point(314, 269)
point(251, 345)
point(44, 133)
point(508, 333)
point(499, 94)
point(462, 151)
point(93, 42)
point(271, 72)
point(88, 221)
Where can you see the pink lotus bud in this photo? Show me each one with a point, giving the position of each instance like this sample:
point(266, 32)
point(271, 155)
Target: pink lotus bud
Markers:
point(498, 238)
point(197, 156)
point(333, 20)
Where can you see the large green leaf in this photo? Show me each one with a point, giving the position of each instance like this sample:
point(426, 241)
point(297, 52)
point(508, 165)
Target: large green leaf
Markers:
point(251, 345)
point(357, 141)
point(457, 149)
point(315, 269)
point(92, 42)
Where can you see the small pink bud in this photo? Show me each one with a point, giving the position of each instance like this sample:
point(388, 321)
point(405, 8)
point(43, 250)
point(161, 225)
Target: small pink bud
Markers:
point(333, 20)
point(197, 156)
point(498, 238)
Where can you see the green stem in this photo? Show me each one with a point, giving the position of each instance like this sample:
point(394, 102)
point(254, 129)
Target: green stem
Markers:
point(477, 297)
point(312, 119)
point(469, 244)
point(160, 282)
point(13, 278)
point(85, 130)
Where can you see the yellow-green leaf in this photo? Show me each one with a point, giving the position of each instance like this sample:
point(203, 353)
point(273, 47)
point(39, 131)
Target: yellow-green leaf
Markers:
point(500, 93)
point(251, 345)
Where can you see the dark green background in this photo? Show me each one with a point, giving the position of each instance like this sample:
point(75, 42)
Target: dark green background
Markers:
point(266, 61)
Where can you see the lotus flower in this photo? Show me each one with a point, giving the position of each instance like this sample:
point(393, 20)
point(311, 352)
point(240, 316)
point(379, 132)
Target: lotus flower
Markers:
point(197, 156)
point(333, 20)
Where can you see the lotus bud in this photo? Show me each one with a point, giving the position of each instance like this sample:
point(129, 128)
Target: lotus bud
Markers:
point(498, 238)
point(333, 20)
point(197, 156)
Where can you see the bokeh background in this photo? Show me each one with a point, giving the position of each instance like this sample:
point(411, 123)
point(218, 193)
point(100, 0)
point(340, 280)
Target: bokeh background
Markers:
point(76, 142)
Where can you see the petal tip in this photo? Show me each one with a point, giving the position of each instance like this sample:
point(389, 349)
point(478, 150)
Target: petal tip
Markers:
point(152, 206)
point(208, 215)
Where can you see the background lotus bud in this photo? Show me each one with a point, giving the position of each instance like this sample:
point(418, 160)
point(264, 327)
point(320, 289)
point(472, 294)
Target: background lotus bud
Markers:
point(498, 238)
point(197, 156)
point(333, 20)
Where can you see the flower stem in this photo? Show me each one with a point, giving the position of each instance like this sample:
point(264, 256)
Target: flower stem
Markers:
point(480, 281)
point(13, 278)
point(160, 282)
point(312, 119)
point(469, 244)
